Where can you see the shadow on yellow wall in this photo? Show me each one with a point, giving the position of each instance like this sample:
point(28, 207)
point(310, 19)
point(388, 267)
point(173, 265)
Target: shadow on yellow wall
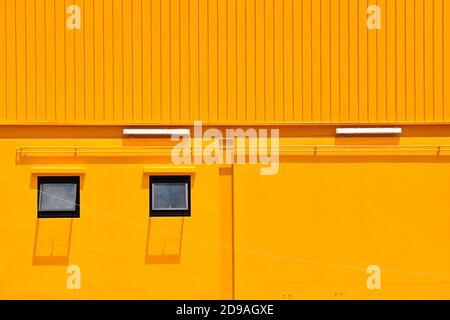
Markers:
point(164, 239)
point(52, 241)
point(364, 140)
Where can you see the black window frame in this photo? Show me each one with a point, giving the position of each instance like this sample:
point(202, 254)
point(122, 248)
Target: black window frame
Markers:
point(169, 179)
point(56, 180)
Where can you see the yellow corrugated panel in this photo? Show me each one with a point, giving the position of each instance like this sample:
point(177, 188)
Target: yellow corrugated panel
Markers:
point(3, 100)
point(224, 61)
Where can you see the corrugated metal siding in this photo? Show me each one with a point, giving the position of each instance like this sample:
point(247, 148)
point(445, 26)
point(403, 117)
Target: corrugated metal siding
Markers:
point(236, 61)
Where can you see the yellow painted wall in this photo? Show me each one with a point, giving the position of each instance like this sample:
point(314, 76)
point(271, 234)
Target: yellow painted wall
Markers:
point(311, 231)
point(336, 206)
point(122, 253)
point(249, 61)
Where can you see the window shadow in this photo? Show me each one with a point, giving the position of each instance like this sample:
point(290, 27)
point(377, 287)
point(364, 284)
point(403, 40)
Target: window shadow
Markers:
point(52, 241)
point(164, 240)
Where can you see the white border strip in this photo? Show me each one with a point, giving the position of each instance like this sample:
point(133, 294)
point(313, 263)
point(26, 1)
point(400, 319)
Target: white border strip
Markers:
point(369, 131)
point(155, 132)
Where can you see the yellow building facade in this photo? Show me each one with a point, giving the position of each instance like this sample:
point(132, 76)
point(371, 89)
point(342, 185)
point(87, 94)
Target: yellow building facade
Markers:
point(75, 74)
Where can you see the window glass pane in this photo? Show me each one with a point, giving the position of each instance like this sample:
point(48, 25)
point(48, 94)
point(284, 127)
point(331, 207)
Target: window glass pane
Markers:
point(57, 197)
point(169, 196)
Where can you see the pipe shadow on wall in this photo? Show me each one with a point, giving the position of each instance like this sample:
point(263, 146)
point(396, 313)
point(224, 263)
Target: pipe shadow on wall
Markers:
point(52, 241)
point(164, 240)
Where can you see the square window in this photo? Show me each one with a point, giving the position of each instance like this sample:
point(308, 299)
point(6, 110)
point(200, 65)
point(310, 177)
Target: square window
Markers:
point(170, 196)
point(58, 197)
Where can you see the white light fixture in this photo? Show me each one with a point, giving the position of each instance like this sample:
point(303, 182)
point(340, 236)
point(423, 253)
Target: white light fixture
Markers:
point(155, 132)
point(368, 131)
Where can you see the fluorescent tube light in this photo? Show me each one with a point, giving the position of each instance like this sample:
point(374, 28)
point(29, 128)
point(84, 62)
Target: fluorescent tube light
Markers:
point(155, 132)
point(368, 131)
